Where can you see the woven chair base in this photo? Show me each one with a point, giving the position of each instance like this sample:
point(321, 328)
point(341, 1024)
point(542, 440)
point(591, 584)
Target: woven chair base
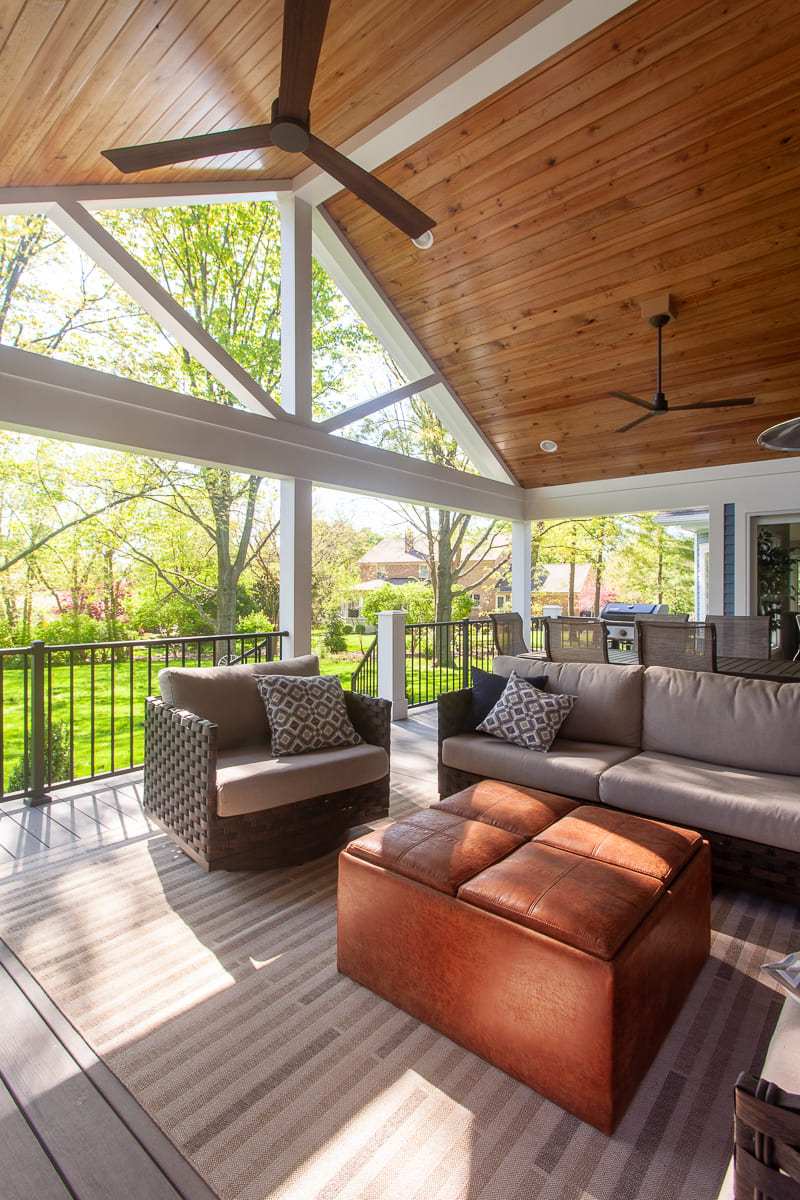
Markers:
point(767, 870)
point(284, 836)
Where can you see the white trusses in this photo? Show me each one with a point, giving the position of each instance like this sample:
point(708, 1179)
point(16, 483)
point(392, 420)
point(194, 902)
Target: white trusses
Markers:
point(368, 407)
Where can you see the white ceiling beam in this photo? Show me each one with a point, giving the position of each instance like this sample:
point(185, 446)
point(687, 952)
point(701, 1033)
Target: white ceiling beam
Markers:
point(49, 398)
point(99, 197)
point(95, 241)
point(523, 45)
point(368, 407)
point(360, 287)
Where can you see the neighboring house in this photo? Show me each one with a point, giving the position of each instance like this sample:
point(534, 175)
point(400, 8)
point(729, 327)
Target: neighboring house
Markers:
point(401, 559)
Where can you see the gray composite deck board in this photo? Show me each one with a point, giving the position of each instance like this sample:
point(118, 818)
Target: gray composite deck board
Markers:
point(25, 1170)
point(92, 1147)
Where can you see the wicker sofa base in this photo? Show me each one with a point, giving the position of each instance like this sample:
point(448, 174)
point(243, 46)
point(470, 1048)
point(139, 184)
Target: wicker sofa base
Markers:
point(768, 870)
point(285, 836)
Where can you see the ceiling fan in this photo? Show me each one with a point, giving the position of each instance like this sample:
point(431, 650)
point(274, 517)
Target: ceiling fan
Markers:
point(658, 405)
point(303, 30)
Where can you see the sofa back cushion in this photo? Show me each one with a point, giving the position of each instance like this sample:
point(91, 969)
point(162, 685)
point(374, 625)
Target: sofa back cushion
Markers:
point(229, 697)
point(748, 724)
point(609, 698)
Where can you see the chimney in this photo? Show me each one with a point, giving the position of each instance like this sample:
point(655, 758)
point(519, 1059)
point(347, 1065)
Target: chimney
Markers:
point(408, 542)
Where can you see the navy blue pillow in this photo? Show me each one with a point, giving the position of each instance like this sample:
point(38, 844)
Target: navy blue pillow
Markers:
point(487, 688)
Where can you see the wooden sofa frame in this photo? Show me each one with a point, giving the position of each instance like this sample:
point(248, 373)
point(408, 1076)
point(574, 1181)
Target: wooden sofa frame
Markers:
point(180, 795)
point(768, 870)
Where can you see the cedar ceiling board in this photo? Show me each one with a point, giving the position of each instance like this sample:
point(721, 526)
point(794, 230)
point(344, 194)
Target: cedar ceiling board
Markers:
point(79, 76)
point(661, 153)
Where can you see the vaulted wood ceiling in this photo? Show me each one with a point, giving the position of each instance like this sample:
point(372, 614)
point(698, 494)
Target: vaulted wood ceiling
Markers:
point(659, 154)
point(80, 75)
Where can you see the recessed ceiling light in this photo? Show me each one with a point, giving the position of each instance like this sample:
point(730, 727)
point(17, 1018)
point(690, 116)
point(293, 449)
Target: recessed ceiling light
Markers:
point(548, 446)
point(424, 241)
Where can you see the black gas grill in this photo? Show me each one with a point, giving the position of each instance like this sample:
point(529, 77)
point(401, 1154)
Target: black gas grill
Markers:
point(621, 618)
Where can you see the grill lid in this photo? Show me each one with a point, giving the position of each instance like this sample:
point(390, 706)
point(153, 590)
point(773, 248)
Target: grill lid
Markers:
point(626, 611)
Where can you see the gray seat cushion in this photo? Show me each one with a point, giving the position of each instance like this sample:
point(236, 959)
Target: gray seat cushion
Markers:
point(569, 768)
point(228, 696)
point(753, 805)
point(251, 780)
point(609, 697)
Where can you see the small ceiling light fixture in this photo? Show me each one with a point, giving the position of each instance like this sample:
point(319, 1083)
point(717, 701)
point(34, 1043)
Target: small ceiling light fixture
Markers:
point(785, 436)
point(548, 445)
point(424, 241)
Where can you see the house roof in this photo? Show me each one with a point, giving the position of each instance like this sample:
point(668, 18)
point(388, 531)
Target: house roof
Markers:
point(556, 578)
point(392, 550)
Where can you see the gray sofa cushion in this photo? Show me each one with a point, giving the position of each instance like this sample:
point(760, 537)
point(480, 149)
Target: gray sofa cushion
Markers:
point(609, 707)
point(569, 768)
point(745, 804)
point(251, 780)
point(228, 696)
point(750, 724)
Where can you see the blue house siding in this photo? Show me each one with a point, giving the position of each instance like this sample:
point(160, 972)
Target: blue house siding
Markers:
point(729, 560)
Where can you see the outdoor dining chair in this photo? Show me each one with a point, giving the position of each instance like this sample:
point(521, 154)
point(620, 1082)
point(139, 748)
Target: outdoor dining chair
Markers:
point(742, 637)
point(508, 633)
point(575, 639)
point(690, 645)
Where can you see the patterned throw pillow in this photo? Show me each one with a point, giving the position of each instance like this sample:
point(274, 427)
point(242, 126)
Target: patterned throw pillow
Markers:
point(526, 716)
point(306, 713)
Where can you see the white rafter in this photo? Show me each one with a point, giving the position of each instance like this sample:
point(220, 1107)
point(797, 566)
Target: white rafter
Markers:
point(98, 196)
point(90, 236)
point(368, 407)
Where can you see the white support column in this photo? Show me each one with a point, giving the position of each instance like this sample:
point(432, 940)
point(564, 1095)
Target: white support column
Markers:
point(521, 575)
point(295, 565)
point(295, 306)
point(392, 662)
point(296, 494)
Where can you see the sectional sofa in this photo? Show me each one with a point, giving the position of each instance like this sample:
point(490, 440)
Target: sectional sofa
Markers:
point(711, 752)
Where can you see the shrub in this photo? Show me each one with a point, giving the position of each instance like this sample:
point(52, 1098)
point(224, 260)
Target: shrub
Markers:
point(254, 622)
point(334, 639)
point(70, 627)
point(57, 764)
point(360, 629)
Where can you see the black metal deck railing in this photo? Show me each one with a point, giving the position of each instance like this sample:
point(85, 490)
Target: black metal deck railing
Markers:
point(71, 713)
point(365, 677)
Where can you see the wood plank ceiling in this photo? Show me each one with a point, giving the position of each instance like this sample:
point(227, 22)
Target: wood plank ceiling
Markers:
point(80, 75)
point(659, 154)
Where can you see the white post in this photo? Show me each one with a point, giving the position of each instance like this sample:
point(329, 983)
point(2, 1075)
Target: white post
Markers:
point(392, 662)
point(521, 575)
point(296, 494)
point(295, 565)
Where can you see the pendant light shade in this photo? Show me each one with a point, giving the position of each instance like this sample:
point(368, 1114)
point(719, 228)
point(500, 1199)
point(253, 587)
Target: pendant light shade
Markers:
point(785, 436)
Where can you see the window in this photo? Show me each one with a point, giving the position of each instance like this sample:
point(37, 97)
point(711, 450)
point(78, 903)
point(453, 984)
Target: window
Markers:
point(501, 601)
point(475, 597)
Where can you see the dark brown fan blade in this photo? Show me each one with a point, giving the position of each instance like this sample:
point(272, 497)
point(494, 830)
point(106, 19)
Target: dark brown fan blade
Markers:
point(303, 31)
point(714, 404)
point(638, 421)
point(162, 154)
point(632, 399)
point(377, 195)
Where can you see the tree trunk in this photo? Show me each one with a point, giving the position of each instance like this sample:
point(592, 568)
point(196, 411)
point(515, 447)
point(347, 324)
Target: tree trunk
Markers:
point(660, 572)
point(443, 647)
point(571, 595)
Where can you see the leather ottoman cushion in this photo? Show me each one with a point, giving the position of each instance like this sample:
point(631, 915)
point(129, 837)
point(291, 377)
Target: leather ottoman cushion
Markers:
point(440, 849)
point(622, 840)
point(520, 810)
point(582, 902)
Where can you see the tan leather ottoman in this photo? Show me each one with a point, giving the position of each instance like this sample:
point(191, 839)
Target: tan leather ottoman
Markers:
point(556, 940)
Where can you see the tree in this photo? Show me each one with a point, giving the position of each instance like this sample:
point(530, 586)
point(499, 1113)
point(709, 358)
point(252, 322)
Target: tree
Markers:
point(654, 564)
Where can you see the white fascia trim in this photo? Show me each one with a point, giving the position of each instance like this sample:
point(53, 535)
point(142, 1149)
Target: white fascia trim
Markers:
point(664, 490)
point(50, 398)
point(368, 407)
point(100, 197)
point(527, 42)
point(362, 290)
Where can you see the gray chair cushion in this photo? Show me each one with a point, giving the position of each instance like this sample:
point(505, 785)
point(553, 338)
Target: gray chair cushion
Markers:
point(609, 697)
point(251, 780)
point(744, 804)
point(751, 724)
point(228, 696)
point(569, 768)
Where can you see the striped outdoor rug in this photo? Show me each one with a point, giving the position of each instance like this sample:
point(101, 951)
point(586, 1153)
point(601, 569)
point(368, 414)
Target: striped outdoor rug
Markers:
point(216, 1000)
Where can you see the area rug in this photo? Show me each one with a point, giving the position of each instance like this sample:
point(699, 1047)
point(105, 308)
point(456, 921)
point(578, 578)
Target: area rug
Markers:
point(216, 1000)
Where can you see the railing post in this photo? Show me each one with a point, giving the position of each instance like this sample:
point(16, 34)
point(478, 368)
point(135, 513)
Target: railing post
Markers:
point(466, 679)
point(38, 739)
point(392, 662)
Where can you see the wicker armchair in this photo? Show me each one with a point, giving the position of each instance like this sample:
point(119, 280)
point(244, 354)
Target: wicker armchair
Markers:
point(767, 1141)
point(742, 637)
point(508, 633)
point(180, 794)
point(691, 646)
point(575, 639)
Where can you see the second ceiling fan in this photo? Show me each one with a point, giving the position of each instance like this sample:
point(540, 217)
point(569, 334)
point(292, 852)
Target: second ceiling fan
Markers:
point(658, 405)
point(303, 30)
